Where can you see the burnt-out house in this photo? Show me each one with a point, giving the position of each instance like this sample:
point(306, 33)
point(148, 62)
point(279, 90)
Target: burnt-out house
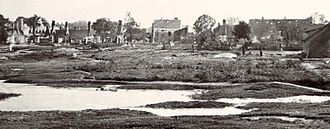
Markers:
point(223, 33)
point(74, 36)
point(163, 29)
point(290, 28)
point(280, 33)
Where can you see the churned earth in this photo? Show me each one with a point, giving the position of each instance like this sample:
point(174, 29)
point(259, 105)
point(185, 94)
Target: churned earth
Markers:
point(264, 85)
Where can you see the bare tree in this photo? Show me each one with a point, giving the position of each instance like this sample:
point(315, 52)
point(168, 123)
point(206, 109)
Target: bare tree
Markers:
point(130, 25)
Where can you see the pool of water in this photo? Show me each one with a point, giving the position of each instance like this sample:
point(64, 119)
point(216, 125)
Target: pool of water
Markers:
point(36, 98)
point(193, 111)
point(42, 98)
point(293, 99)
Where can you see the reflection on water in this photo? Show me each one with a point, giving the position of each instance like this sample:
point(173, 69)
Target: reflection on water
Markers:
point(37, 98)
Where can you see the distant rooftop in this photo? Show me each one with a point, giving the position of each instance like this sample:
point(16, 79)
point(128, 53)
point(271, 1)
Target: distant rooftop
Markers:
point(167, 23)
point(284, 19)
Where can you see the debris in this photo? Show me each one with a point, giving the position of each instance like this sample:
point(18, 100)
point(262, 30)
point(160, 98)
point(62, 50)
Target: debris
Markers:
point(225, 55)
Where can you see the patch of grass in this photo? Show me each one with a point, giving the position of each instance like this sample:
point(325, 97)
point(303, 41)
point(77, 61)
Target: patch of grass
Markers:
point(127, 119)
point(100, 66)
point(149, 65)
point(191, 104)
point(40, 56)
point(256, 90)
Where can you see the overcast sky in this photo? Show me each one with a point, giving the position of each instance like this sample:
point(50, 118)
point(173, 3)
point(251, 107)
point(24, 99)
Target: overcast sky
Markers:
point(145, 11)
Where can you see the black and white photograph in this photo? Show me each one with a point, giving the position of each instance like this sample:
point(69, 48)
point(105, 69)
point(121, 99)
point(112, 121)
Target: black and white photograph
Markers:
point(164, 64)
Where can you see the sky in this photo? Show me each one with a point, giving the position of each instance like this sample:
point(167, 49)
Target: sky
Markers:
point(145, 11)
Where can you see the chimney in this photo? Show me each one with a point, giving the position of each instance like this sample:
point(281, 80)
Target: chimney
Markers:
point(89, 28)
point(34, 28)
point(225, 26)
point(152, 33)
point(176, 18)
point(52, 31)
point(119, 27)
point(22, 24)
point(17, 27)
point(66, 29)
point(47, 31)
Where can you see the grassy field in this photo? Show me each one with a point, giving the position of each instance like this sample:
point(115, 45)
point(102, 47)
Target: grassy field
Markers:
point(192, 104)
point(246, 77)
point(127, 119)
point(146, 63)
point(257, 90)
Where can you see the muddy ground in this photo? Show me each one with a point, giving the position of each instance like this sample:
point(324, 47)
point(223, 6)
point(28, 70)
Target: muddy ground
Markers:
point(125, 119)
point(52, 66)
point(127, 66)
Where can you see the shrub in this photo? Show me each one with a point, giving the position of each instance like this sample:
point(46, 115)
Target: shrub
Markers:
point(101, 66)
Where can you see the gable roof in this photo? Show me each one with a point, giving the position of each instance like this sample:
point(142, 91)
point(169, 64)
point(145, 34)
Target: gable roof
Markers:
point(318, 30)
point(318, 43)
point(311, 30)
point(313, 27)
point(168, 24)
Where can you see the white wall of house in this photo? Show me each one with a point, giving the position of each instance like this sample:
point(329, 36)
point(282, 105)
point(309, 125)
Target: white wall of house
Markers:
point(162, 34)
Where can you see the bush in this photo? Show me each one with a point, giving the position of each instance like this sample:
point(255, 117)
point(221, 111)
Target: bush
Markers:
point(101, 66)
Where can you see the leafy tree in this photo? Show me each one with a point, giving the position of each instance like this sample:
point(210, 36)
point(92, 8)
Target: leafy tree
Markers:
point(318, 18)
point(30, 21)
point(139, 34)
point(203, 23)
point(3, 27)
point(105, 28)
point(242, 30)
point(206, 41)
point(205, 38)
point(262, 29)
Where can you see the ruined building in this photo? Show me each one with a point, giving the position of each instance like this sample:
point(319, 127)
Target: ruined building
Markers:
point(119, 38)
point(223, 33)
point(163, 29)
point(180, 34)
point(74, 36)
point(280, 33)
point(291, 29)
point(19, 33)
